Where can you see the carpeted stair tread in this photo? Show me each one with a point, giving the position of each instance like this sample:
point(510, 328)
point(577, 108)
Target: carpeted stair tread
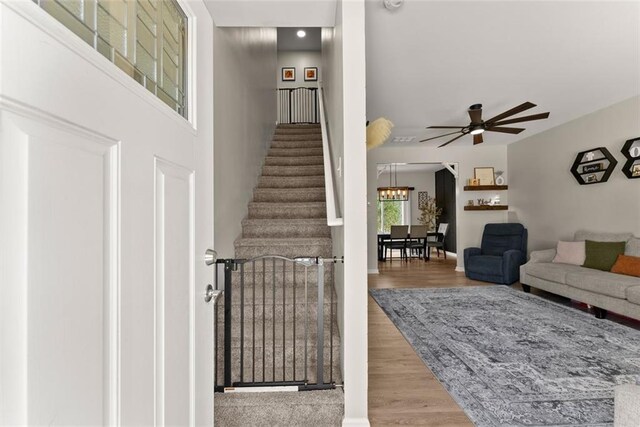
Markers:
point(310, 408)
point(296, 144)
point(287, 210)
point(290, 247)
point(291, 181)
point(293, 195)
point(295, 152)
point(292, 170)
point(294, 227)
point(293, 160)
point(316, 137)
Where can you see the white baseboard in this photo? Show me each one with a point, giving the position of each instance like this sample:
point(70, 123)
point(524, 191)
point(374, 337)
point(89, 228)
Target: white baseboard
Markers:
point(373, 271)
point(355, 422)
point(460, 269)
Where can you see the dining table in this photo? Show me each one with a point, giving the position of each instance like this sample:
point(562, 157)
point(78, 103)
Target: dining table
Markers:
point(386, 237)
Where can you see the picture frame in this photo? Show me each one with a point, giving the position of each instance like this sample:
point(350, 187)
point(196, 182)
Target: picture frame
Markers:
point(635, 170)
point(311, 74)
point(288, 74)
point(423, 197)
point(591, 178)
point(485, 175)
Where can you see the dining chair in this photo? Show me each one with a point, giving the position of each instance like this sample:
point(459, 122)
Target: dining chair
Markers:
point(397, 240)
point(439, 242)
point(418, 241)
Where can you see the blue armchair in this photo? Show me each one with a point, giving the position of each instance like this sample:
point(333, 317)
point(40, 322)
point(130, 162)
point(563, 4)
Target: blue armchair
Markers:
point(499, 257)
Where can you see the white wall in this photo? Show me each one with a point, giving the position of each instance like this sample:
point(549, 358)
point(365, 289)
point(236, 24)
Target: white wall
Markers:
point(421, 181)
point(470, 224)
point(245, 61)
point(548, 200)
point(300, 60)
point(343, 62)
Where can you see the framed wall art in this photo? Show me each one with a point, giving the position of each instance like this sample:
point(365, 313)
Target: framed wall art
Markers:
point(288, 74)
point(311, 74)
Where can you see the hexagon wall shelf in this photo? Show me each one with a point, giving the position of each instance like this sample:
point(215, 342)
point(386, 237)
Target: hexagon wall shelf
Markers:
point(593, 166)
point(631, 151)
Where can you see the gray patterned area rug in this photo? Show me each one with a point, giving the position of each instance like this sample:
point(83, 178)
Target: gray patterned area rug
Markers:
point(515, 359)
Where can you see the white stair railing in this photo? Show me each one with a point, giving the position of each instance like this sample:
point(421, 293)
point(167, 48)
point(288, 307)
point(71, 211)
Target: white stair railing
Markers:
point(334, 218)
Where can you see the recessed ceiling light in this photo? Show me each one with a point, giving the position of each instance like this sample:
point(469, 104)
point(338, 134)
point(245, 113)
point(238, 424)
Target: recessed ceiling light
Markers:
point(301, 33)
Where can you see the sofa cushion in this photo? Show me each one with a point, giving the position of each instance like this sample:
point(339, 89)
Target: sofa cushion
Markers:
point(629, 265)
point(602, 237)
point(633, 295)
point(633, 247)
point(552, 272)
point(602, 282)
point(485, 264)
point(602, 255)
point(570, 253)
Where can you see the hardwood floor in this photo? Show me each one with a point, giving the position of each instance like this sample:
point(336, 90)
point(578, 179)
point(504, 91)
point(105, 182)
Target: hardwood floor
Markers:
point(402, 389)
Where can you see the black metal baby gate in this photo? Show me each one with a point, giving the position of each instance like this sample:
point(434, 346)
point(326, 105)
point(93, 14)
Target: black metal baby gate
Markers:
point(273, 308)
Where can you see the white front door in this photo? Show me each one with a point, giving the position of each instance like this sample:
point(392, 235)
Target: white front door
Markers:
point(106, 210)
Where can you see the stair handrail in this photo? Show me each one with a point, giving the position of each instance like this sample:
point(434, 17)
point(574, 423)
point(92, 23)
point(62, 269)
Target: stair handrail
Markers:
point(334, 219)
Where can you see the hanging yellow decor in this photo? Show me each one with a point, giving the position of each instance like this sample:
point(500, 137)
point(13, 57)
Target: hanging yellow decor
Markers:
point(378, 132)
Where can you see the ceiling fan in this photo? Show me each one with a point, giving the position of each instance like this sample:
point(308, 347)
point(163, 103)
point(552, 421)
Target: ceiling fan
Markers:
point(495, 124)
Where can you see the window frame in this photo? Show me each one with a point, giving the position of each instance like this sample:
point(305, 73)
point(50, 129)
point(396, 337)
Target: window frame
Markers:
point(31, 11)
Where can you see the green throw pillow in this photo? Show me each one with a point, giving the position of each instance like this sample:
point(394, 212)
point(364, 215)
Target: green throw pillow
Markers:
point(602, 255)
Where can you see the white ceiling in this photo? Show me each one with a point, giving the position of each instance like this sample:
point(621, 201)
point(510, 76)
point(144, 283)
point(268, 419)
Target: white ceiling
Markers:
point(273, 13)
point(410, 167)
point(288, 40)
point(428, 61)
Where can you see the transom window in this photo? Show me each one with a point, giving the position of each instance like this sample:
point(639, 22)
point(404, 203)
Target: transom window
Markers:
point(147, 39)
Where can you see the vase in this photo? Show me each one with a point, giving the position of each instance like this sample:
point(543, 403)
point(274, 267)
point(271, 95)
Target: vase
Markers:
point(499, 178)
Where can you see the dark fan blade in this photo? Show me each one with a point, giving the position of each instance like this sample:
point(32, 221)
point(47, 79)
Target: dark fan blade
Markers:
point(476, 115)
point(439, 136)
point(505, 130)
point(523, 119)
point(477, 139)
point(519, 109)
point(451, 140)
point(445, 127)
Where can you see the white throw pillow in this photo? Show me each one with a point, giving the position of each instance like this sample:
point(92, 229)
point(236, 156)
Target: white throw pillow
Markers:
point(633, 247)
point(570, 253)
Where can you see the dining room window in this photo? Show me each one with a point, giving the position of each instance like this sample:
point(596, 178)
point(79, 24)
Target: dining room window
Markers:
point(147, 39)
point(393, 213)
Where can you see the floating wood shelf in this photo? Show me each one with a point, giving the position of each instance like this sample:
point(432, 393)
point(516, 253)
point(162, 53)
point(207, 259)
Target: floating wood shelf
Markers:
point(485, 187)
point(487, 208)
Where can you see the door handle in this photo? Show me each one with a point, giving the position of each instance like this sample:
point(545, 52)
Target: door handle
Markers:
point(210, 257)
point(211, 294)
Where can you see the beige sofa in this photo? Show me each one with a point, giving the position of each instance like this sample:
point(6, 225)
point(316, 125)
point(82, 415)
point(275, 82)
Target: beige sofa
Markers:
point(600, 289)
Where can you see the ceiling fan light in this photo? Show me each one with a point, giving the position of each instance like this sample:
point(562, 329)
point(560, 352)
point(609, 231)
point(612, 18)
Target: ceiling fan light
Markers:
point(477, 131)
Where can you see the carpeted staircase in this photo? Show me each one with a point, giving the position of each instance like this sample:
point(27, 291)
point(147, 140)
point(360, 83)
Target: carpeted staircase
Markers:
point(287, 217)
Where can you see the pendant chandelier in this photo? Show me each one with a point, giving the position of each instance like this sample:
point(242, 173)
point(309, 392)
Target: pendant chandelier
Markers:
point(393, 193)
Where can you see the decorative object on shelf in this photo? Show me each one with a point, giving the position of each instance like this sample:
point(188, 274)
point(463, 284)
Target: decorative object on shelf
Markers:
point(429, 214)
point(593, 166)
point(485, 176)
point(470, 202)
point(499, 178)
point(631, 151)
point(473, 182)
point(378, 132)
point(423, 196)
point(311, 74)
point(393, 193)
point(288, 74)
point(495, 124)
